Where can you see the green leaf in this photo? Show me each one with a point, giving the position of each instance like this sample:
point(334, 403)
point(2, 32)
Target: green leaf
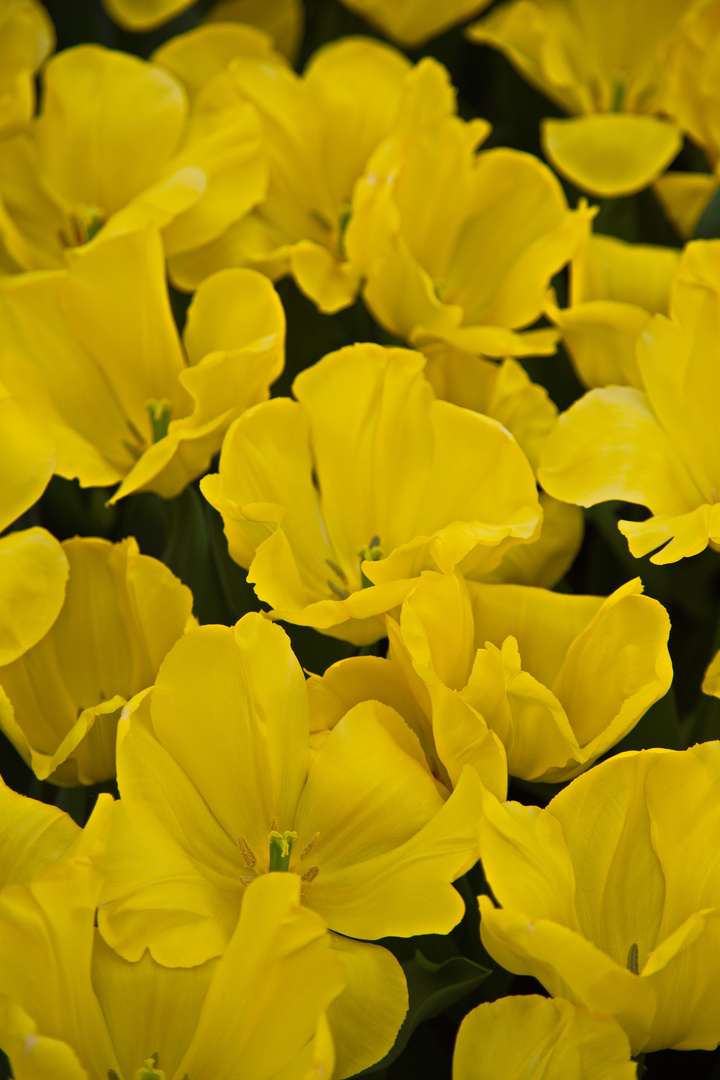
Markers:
point(432, 989)
point(708, 227)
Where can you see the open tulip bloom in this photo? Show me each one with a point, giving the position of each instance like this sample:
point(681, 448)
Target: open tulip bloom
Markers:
point(610, 896)
point(70, 1007)
point(338, 500)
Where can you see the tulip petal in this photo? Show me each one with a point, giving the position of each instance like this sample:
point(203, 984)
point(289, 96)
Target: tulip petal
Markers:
point(366, 1017)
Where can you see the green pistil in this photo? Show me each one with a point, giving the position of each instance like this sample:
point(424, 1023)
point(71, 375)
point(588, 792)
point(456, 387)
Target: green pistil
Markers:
point(150, 1070)
point(618, 95)
point(373, 553)
point(280, 847)
point(159, 417)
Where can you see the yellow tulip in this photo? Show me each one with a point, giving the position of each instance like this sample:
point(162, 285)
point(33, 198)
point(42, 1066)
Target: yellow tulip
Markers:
point(413, 22)
point(604, 64)
point(338, 500)
point(112, 150)
point(428, 203)
point(354, 816)
point(27, 458)
point(70, 1007)
point(27, 37)
point(320, 130)
point(610, 896)
point(505, 393)
point(283, 20)
point(524, 1038)
point(61, 696)
point(657, 446)
point(690, 97)
point(558, 678)
point(615, 289)
point(92, 357)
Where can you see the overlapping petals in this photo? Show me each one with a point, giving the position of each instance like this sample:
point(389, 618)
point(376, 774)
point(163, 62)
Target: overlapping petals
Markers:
point(604, 64)
point(70, 1007)
point(27, 37)
point(365, 481)
point(609, 897)
point(112, 150)
point(657, 446)
point(92, 356)
point(425, 207)
point(85, 652)
point(615, 288)
point(559, 679)
point(513, 1038)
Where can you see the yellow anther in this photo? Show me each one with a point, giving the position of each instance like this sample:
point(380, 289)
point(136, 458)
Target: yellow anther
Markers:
point(311, 873)
point(248, 857)
point(309, 846)
point(633, 959)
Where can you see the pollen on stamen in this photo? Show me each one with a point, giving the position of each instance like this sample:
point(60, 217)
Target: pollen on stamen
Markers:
point(248, 857)
point(310, 874)
point(309, 846)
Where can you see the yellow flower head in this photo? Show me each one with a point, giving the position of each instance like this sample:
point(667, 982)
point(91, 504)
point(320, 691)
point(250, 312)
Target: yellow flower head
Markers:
point(604, 63)
point(337, 500)
point(610, 896)
point(454, 245)
point(658, 445)
point(690, 97)
point(615, 289)
point(85, 654)
point(27, 37)
point(113, 149)
point(558, 678)
point(319, 129)
point(521, 1038)
point(92, 357)
point(70, 1007)
point(352, 815)
point(413, 22)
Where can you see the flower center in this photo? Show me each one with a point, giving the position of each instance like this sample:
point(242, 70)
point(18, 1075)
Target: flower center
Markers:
point(85, 222)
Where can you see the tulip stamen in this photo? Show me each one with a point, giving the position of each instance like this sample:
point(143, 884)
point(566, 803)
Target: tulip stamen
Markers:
point(633, 959)
point(310, 874)
point(246, 852)
point(340, 593)
point(150, 1070)
point(309, 846)
point(338, 570)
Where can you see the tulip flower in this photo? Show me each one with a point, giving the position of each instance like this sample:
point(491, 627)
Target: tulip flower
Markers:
point(427, 204)
point(61, 696)
point(92, 356)
point(615, 289)
point(320, 130)
point(27, 38)
point(610, 896)
point(33, 576)
point(521, 1038)
point(27, 459)
point(558, 678)
point(71, 1008)
point(33, 836)
point(505, 393)
point(657, 446)
point(690, 97)
point(353, 815)
point(606, 69)
point(113, 150)
point(413, 22)
point(338, 500)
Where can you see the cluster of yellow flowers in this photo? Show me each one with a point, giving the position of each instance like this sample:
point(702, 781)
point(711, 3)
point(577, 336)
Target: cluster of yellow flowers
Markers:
point(236, 912)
